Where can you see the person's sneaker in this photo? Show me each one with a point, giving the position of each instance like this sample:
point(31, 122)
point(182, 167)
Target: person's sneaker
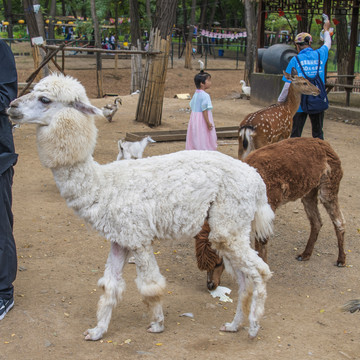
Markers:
point(5, 306)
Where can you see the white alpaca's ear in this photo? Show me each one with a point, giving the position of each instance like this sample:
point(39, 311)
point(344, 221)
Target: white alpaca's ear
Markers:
point(86, 108)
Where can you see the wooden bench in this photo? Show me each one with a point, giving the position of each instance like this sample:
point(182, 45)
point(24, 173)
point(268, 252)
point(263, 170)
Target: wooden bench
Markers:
point(347, 87)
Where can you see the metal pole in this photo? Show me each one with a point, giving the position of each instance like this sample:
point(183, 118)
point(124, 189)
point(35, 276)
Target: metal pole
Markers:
point(237, 56)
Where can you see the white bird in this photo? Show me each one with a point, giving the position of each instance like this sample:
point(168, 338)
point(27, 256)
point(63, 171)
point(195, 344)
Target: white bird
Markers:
point(245, 89)
point(202, 65)
point(129, 150)
point(109, 110)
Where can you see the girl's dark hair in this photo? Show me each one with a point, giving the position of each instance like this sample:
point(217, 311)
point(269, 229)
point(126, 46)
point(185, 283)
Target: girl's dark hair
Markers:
point(200, 78)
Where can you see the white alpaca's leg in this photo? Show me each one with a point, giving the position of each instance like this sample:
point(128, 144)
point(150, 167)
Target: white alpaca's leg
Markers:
point(258, 273)
point(239, 317)
point(113, 285)
point(251, 273)
point(151, 285)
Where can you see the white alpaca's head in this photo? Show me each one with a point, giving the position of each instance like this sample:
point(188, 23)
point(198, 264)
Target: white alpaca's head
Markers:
point(59, 106)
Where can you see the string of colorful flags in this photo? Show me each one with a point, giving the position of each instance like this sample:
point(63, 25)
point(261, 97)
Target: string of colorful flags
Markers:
point(299, 18)
point(223, 35)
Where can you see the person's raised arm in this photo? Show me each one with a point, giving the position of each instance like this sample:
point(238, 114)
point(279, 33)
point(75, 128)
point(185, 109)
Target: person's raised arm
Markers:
point(327, 37)
point(284, 93)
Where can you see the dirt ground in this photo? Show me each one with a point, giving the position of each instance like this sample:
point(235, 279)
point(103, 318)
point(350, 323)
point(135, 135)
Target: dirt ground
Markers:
point(61, 258)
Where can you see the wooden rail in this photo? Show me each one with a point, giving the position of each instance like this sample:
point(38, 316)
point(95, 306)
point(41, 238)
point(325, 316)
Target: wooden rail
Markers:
point(105, 51)
point(348, 87)
point(180, 135)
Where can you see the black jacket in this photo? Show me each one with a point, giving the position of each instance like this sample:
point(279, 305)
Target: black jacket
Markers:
point(8, 92)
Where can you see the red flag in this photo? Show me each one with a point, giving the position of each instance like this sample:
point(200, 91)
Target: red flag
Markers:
point(298, 17)
point(281, 13)
point(266, 15)
point(336, 22)
point(318, 21)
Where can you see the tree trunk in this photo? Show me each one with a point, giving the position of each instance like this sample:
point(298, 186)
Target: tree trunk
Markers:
point(99, 78)
point(261, 34)
point(135, 31)
point(213, 10)
point(342, 46)
point(135, 45)
point(353, 37)
point(63, 8)
point(189, 47)
point(203, 13)
point(185, 21)
point(8, 17)
point(251, 31)
point(136, 69)
point(35, 25)
point(52, 15)
point(302, 26)
point(149, 108)
point(148, 12)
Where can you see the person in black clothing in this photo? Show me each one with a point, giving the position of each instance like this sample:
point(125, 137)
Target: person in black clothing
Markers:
point(8, 158)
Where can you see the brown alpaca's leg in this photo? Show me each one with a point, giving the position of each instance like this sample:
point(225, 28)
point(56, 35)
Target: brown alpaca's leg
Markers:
point(207, 257)
point(336, 216)
point(261, 248)
point(214, 276)
point(312, 212)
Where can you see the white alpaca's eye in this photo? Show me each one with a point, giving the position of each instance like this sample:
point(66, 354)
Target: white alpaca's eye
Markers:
point(45, 100)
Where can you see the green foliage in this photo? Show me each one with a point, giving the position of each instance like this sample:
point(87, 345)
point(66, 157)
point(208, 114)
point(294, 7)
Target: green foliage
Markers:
point(84, 27)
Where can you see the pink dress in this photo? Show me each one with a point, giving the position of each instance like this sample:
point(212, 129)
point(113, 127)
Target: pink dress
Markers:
point(198, 136)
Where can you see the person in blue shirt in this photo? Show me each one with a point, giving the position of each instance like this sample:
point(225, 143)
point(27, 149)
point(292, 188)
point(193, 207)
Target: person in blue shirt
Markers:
point(8, 158)
point(309, 60)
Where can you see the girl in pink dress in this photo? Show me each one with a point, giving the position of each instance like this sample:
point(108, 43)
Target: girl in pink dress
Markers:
point(201, 133)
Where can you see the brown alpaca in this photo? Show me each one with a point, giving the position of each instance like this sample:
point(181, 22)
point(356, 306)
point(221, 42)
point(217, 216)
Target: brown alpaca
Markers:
point(297, 168)
point(274, 123)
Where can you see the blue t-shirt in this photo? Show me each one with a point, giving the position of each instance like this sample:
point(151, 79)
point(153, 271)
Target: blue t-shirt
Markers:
point(309, 60)
point(201, 101)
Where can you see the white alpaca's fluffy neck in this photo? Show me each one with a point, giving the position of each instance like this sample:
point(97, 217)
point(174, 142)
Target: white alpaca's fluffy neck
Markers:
point(77, 184)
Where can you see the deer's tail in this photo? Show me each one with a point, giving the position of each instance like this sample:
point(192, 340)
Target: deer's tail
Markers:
point(246, 141)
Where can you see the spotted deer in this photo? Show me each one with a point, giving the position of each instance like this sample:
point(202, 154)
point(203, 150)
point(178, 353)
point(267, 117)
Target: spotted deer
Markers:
point(273, 123)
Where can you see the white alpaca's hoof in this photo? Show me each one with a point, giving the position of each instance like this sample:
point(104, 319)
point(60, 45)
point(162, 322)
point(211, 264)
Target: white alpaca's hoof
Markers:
point(229, 327)
point(94, 334)
point(253, 330)
point(155, 327)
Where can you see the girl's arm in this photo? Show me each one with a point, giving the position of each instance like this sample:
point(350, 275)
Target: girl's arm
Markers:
point(206, 117)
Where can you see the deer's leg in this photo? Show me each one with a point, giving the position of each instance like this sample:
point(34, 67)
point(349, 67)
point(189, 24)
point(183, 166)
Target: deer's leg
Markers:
point(331, 204)
point(114, 285)
point(311, 208)
point(151, 285)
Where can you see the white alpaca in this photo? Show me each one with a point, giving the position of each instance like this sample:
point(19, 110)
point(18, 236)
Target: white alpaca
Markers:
point(164, 197)
point(129, 150)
